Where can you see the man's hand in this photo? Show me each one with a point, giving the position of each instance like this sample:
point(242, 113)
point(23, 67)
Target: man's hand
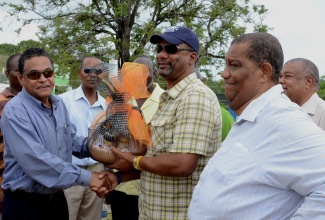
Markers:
point(99, 184)
point(124, 160)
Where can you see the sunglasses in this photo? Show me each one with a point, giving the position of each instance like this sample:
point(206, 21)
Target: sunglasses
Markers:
point(171, 49)
point(91, 70)
point(34, 74)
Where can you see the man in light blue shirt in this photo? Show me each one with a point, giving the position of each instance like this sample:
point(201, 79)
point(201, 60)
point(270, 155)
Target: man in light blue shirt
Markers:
point(272, 163)
point(40, 140)
point(83, 104)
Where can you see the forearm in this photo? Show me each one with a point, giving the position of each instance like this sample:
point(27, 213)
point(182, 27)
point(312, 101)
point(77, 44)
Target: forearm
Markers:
point(170, 164)
point(130, 175)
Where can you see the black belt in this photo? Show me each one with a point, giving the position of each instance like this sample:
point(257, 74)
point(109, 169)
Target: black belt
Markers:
point(34, 195)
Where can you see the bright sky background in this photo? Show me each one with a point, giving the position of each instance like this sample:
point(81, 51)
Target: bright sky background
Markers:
point(298, 24)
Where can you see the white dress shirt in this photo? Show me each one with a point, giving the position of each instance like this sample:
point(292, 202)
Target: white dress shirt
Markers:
point(270, 166)
point(315, 107)
point(82, 114)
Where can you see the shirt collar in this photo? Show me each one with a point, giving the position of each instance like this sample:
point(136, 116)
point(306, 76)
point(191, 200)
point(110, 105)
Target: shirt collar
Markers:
point(310, 105)
point(179, 87)
point(256, 106)
point(155, 93)
point(79, 94)
point(53, 98)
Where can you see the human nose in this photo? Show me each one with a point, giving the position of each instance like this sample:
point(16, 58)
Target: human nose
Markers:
point(162, 53)
point(225, 73)
point(281, 80)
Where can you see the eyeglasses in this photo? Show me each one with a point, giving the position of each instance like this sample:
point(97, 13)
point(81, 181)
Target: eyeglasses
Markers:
point(34, 74)
point(91, 70)
point(171, 49)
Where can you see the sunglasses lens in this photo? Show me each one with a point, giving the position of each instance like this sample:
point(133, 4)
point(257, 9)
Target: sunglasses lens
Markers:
point(98, 71)
point(171, 49)
point(87, 70)
point(159, 48)
point(34, 75)
point(48, 73)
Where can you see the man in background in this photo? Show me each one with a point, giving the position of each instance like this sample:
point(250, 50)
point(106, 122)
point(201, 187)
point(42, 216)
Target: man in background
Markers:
point(83, 104)
point(7, 94)
point(299, 78)
point(126, 195)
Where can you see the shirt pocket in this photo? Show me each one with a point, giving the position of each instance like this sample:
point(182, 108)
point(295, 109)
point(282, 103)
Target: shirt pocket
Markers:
point(229, 160)
point(64, 137)
point(162, 135)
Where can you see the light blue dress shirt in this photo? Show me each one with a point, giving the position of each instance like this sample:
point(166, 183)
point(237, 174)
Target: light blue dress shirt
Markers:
point(270, 166)
point(38, 146)
point(82, 114)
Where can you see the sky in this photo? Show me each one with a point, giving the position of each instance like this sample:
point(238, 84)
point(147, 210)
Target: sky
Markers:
point(298, 24)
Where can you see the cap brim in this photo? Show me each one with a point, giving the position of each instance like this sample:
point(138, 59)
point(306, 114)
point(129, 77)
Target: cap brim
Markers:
point(155, 39)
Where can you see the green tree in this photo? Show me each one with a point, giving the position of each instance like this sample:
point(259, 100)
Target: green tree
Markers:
point(8, 49)
point(321, 91)
point(121, 29)
point(25, 44)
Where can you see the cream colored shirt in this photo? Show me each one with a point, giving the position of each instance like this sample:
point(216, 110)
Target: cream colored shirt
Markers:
point(315, 107)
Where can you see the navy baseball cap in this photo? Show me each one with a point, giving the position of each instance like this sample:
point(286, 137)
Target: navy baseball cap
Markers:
point(178, 35)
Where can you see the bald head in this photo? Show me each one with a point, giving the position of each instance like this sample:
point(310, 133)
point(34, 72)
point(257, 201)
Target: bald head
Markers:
point(299, 78)
point(152, 72)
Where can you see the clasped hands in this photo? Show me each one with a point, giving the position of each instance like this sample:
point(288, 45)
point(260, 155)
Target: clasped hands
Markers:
point(105, 181)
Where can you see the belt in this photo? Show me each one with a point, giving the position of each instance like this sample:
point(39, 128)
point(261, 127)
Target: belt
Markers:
point(34, 195)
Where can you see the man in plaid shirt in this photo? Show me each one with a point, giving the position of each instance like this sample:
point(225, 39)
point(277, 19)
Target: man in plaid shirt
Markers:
point(186, 132)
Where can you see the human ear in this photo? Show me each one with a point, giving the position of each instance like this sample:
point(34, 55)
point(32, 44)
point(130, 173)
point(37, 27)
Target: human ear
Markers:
point(80, 72)
point(193, 58)
point(310, 81)
point(21, 79)
point(266, 71)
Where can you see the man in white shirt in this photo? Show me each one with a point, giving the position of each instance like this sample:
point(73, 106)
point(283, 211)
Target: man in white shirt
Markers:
point(299, 78)
point(83, 104)
point(272, 163)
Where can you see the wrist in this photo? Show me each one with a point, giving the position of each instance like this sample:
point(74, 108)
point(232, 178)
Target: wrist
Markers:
point(119, 177)
point(136, 161)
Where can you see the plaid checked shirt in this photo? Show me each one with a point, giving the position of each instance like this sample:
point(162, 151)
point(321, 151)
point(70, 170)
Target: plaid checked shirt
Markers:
point(188, 120)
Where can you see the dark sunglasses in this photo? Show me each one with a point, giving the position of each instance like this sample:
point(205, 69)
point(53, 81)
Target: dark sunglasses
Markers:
point(171, 49)
point(91, 70)
point(34, 74)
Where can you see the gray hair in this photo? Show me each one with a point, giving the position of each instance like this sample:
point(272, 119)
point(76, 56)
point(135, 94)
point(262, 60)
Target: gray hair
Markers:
point(263, 47)
point(309, 68)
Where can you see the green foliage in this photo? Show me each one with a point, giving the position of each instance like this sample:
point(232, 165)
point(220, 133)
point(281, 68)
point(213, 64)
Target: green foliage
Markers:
point(23, 45)
point(121, 29)
point(321, 91)
point(8, 49)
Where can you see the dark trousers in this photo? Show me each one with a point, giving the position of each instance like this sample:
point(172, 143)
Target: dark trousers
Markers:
point(123, 206)
point(20, 205)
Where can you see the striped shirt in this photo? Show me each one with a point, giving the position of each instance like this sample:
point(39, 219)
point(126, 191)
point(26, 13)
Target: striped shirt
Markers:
point(188, 120)
point(271, 166)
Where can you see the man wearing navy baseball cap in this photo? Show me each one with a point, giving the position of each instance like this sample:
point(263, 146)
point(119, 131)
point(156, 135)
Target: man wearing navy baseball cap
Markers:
point(178, 35)
point(186, 131)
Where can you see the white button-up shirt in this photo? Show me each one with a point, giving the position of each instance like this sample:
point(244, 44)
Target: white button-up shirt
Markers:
point(82, 114)
point(270, 166)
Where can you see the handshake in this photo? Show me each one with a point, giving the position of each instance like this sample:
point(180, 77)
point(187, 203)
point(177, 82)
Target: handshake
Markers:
point(103, 182)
